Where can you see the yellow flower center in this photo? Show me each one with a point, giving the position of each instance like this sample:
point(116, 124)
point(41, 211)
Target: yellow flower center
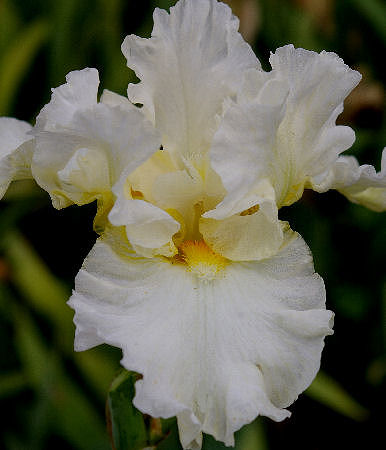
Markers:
point(201, 260)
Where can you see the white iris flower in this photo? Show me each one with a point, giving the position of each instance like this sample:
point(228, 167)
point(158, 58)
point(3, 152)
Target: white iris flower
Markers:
point(210, 296)
point(16, 148)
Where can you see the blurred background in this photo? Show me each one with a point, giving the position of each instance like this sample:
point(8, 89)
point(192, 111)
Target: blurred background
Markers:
point(52, 397)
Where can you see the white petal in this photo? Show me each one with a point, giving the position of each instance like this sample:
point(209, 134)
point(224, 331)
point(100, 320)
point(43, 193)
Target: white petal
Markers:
point(86, 171)
point(343, 173)
point(242, 151)
point(78, 93)
point(194, 59)
point(16, 149)
point(148, 228)
point(217, 353)
point(368, 188)
point(309, 142)
point(283, 125)
point(360, 184)
point(113, 99)
point(115, 136)
point(245, 237)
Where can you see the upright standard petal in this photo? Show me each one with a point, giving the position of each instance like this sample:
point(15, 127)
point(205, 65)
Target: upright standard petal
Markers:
point(82, 146)
point(215, 352)
point(193, 61)
point(308, 140)
point(283, 124)
point(16, 147)
point(242, 152)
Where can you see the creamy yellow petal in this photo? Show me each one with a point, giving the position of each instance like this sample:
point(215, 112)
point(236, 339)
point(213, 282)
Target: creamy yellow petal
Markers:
point(252, 236)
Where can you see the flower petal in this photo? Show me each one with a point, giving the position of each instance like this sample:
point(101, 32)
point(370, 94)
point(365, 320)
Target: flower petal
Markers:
point(194, 59)
point(16, 149)
point(82, 146)
point(360, 184)
point(79, 92)
point(247, 132)
point(148, 228)
point(245, 237)
point(309, 142)
point(215, 353)
point(283, 125)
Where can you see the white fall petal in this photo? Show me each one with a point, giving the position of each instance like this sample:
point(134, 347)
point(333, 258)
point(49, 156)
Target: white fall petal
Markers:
point(214, 353)
point(16, 147)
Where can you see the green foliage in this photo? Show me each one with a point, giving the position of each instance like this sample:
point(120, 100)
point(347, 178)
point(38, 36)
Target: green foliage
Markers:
point(128, 429)
point(55, 398)
point(15, 62)
point(62, 404)
point(374, 11)
point(328, 392)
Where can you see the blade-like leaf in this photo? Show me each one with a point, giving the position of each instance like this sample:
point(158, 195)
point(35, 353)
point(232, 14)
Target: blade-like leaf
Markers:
point(11, 383)
point(47, 296)
point(66, 408)
point(327, 391)
point(126, 423)
point(374, 11)
point(16, 61)
point(252, 437)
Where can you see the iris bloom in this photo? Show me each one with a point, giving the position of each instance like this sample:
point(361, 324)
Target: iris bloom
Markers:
point(210, 296)
point(16, 148)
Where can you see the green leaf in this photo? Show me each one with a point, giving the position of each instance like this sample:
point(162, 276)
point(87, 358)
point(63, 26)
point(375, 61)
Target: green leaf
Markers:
point(98, 368)
point(127, 425)
point(252, 437)
point(171, 439)
point(327, 391)
point(62, 55)
point(48, 296)
point(9, 23)
point(16, 61)
point(284, 23)
point(383, 316)
point(375, 13)
point(108, 27)
point(63, 405)
point(11, 383)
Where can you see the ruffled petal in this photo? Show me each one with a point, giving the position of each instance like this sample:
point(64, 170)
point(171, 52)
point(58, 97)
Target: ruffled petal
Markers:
point(244, 226)
point(215, 353)
point(245, 237)
point(242, 149)
point(16, 148)
point(308, 141)
point(282, 125)
point(79, 92)
point(360, 184)
point(194, 59)
point(149, 229)
point(82, 147)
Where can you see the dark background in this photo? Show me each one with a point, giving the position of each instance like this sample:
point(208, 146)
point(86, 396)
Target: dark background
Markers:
point(53, 398)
